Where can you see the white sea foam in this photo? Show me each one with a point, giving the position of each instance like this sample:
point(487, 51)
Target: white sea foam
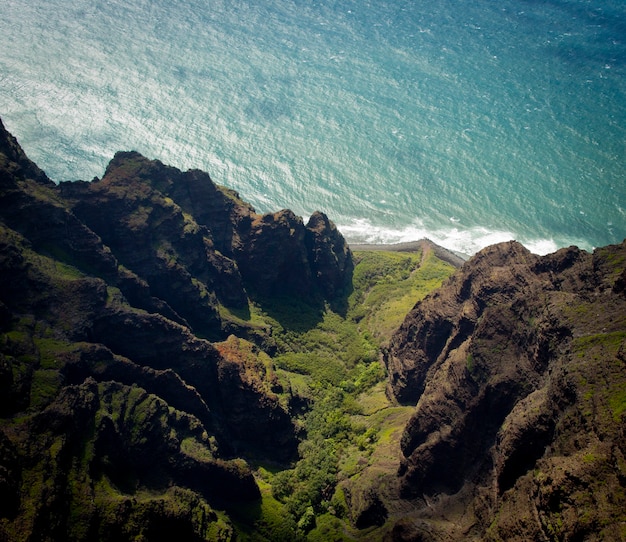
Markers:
point(465, 241)
point(426, 125)
point(542, 246)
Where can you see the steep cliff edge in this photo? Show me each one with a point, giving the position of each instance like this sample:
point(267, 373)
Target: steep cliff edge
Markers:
point(158, 337)
point(198, 245)
point(118, 418)
point(518, 373)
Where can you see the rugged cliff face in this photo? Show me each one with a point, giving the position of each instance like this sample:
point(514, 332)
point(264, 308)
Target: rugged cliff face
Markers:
point(118, 419)
point(197, 245)
point(517, 369)
point(139, 374)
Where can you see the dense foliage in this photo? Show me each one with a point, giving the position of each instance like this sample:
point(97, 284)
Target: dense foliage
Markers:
point(331, 362)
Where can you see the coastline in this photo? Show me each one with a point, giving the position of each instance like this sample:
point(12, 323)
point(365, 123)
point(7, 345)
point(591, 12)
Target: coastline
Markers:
point(453, 258)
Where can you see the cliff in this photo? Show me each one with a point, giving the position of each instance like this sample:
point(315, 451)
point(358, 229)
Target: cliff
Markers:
point(119, 418)
point(197, 245)
point(175, 365)
point(517, 369)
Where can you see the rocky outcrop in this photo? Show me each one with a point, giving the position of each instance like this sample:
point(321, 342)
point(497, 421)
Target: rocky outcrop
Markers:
point(30, 206)
point(514, 366)
point(15, 165)
point(248, 384)
point(152, 237)
point(331, 261)
point(126, 419)
point(198, 245)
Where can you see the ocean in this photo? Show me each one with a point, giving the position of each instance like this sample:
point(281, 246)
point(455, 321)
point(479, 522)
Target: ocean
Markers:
point(466, 122)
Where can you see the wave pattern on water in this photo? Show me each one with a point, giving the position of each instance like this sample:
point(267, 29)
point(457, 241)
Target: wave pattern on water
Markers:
point(467, 123)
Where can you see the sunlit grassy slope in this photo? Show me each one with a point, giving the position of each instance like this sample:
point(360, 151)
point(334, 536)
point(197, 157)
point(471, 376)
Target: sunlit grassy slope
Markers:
point(331, 363)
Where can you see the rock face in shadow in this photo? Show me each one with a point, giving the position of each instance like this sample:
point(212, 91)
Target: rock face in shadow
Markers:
point(122, 435)
point(119, 419)
point(516, 367)
point(197, 245)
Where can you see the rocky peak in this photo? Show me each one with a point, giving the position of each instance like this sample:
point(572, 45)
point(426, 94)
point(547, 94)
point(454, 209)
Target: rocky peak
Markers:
point(330, 257)
point(273, 256)
point(30, 205)
point(443, 321)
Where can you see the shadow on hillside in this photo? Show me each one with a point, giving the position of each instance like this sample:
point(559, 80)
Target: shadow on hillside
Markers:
point(291, 313)
point(243, 313)
point(301, 315)
point(340, 305)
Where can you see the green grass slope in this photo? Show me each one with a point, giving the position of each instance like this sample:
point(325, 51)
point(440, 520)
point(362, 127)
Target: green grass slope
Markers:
point(330, 370)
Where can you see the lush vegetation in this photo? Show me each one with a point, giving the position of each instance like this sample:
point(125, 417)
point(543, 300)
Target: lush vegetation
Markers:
point(331, 362)
point(326, 362)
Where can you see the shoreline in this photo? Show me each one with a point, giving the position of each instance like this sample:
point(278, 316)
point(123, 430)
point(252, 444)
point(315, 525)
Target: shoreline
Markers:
point(453, 258)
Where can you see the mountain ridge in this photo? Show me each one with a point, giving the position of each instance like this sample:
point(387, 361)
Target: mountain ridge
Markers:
point(155, 334)
point(98, 352)
point(516, 368)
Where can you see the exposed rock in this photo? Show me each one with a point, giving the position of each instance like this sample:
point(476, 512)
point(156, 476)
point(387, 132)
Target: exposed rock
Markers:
point(499, 362)
point(366, 508)
point(126, 418)
point(15, 165)
point(330, 257)
point(150, 236)
point(273, 258)
point(248, 385)
point(196, 244)
point(35, 211)
point(129, 440)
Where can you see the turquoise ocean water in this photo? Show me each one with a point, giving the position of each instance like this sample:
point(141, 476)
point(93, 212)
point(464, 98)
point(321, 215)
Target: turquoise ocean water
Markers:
point(468, 122)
